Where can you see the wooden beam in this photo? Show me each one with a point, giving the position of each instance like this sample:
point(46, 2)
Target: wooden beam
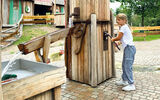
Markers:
point(146, 28)
point(46, 48)
point(66, 12)
point(54, 7)
point(37, 21)
point(38, 17)
point(93, 50)
point(1, 93)
point(39, 42)
point(38, 56)
point(112, 47)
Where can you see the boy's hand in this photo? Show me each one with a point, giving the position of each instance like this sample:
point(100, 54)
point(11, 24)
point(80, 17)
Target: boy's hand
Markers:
point(118, 43)
point(112, 39)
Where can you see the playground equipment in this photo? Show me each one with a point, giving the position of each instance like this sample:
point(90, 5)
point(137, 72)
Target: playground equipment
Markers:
point(89, 58)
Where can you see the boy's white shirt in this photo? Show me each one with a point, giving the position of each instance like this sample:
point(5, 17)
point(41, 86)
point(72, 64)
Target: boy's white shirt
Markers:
point(127, 38)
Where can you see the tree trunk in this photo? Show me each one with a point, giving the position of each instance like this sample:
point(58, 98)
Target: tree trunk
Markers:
point(143, 16)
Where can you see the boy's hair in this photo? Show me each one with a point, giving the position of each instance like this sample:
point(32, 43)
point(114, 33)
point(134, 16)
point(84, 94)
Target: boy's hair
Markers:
point(122, 16)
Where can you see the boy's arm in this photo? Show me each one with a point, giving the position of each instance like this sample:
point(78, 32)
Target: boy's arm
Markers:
point(120, 35)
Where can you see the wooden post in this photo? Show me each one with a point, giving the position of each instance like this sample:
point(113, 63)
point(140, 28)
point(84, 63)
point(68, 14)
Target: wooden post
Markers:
point(54, 7)
point(66, 12)
point(46, 46)
point(1, 93)
point(57, 93)
point(38, 56)
point(113, 59)
point(93, 50)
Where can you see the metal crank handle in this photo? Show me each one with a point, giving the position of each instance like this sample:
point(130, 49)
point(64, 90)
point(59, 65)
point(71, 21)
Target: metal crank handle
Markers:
point(116, 45)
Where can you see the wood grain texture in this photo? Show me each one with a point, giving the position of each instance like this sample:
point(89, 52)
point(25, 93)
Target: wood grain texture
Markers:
point(57, 93)
point(92, 65)
point(38, 42)
point(18, 90)
point(1, 93)
point(94, 59)
point(46, 47)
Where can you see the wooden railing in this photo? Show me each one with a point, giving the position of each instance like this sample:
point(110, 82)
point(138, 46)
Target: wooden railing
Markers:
point(153, 30)
point(15, 28)
point(146, 28)
point(47, 19)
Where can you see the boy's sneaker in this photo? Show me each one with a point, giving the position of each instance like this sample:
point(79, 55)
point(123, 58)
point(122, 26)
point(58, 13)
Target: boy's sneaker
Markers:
point(130, 87)
point(121, 82)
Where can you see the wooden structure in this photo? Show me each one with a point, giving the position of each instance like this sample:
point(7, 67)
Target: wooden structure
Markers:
point(28, 9)
point(89, 55)
point(11, 12)
point(1, 93)
point(59, 13)
point(11, 33)
point(45, 86)
point(13, 9)
point(44, 42)
point(58, 6)
point(59, 19)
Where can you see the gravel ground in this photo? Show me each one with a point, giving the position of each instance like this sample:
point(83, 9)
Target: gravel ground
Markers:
point(147, 54)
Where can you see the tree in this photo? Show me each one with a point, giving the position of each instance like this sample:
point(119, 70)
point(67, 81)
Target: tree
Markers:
point(145, 8)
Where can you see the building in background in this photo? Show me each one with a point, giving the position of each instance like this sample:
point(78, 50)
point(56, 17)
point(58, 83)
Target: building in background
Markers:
point(13, 9)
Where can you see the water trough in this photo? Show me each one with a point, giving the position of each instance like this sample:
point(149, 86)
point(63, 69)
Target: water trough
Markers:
point(33, 79)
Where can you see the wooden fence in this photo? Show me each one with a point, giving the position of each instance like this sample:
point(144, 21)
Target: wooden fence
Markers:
point(40, 19)
point(153, 30)
point(146, 28)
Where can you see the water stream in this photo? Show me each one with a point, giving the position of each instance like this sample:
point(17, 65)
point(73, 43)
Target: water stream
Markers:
point(10, 63)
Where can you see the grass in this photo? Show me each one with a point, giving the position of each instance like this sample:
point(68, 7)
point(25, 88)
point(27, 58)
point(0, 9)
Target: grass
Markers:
point(30, 32)
point(55, 56)
point(12, 52)
point(147, 38)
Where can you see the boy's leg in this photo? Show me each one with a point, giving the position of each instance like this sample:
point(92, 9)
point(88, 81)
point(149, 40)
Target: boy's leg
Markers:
point(124, 77)
point(128, 62)
point(124, 80)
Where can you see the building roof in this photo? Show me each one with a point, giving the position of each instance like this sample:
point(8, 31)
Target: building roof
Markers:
point(59, 2)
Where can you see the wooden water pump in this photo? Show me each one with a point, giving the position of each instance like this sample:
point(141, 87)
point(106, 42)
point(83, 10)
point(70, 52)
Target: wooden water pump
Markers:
point(89, 59)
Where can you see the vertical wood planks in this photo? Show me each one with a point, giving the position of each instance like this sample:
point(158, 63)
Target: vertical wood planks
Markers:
point(54, 7)
point(109, 52)
point(99, 52)
point(99, 7)
point(89, 55)
point(86, 56)
point(57, 93)
point(74, 60)
point(92, 65)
